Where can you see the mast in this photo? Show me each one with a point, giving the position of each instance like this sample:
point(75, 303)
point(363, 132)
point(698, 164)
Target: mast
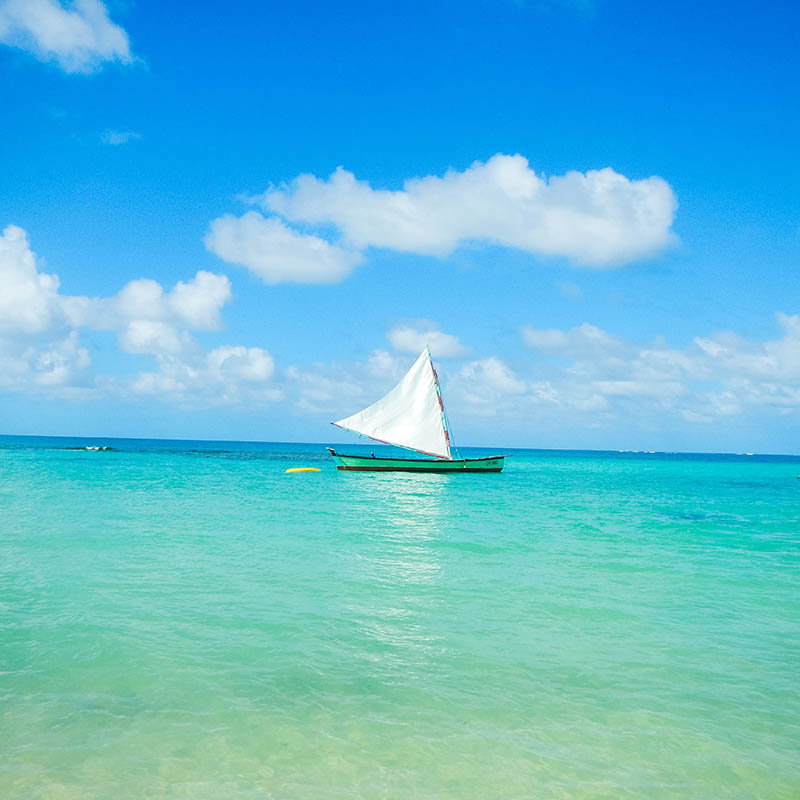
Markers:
point(445, 423)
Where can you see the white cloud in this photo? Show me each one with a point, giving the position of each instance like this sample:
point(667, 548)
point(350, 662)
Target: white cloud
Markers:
point(198, 302)
point(582, 341)
point(150, 320)
point(223, 376)
point(601, 381)
point(195, 305)
point(252, 364)
point(599, 218)
point(596, 380)
point(714, 376)
point(581, 376)
point(383, 364)
point(59, 363)
point(78, 37)
point(340, 388)
point(778, 359)
point(39, 340)
point(276, 253)
point(483, 388)
point(29, 299)
point(413, 337)
point(47, 367)
point(150, 337)
point(493, 375)
point(119, 137)
point(622, 388)
point(139, 299)
point(37, 351)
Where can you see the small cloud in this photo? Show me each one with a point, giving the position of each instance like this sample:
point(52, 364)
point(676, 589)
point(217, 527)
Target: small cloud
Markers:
point(693, 416)
point(585, 341)
point(412, 339)
point(571, 291)
point(493, 374)
point(119, 137)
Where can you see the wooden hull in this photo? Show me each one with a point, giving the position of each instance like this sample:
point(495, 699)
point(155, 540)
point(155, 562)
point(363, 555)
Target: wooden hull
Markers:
point(377, 464)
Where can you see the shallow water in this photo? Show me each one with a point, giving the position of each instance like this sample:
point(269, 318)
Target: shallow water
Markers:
point(184, 619)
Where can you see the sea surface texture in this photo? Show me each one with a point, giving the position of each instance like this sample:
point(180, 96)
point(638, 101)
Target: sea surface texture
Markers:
point(186, 620)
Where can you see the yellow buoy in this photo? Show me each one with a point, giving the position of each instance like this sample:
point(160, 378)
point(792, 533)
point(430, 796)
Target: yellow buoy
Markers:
point(303, 469)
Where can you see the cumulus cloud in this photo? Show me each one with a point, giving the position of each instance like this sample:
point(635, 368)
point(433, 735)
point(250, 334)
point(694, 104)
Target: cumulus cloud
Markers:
point(482, 388)
point(583, 377)
point(195, 304)
point(39, 333)
point(78, 36)
point(494, 375)
point(595, 219)
point(151, 337)
point(338, 388)
point(48, 366)
point(119, 137)
point(335, 389)
point(413, 337)
point(61, 361)
point(223, 376)
point(597, 354)
point(599, 218)
point(145, 315)
point(276, 253)
point(587, 378)
point(773, 360)
point(37, 351)
point(252, 364)
point(29, 299)
point(473, 389)
point(147, 319)
point(712, 377)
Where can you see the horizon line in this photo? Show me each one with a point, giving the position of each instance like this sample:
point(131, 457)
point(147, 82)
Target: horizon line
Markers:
point(379, 444)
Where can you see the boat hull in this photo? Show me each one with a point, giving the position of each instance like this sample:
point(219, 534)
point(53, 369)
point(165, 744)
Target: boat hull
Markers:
point(348, 463)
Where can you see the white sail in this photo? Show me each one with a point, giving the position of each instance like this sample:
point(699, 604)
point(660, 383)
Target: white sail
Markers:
point(411, 415)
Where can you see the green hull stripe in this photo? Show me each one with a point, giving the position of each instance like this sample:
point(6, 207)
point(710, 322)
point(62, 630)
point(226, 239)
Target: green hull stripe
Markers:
point(368, 464)
point(420, 469)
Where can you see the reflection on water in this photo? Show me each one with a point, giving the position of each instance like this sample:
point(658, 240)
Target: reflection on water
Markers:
point(403, 517)
point(411, 506)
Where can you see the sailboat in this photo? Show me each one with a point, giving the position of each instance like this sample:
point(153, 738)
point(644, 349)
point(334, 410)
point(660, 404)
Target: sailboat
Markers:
point(412, 416)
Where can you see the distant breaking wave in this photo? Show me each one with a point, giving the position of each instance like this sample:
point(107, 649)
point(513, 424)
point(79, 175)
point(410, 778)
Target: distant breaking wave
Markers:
point(91, 447)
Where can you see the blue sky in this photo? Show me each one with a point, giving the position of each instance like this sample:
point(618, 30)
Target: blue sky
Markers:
point(590, 210)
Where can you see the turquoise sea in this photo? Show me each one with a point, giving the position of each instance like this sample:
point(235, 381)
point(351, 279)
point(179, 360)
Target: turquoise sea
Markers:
point(184, 619)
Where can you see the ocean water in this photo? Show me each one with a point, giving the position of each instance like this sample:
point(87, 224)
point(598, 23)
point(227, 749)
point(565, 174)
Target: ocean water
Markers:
point(184, 619)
